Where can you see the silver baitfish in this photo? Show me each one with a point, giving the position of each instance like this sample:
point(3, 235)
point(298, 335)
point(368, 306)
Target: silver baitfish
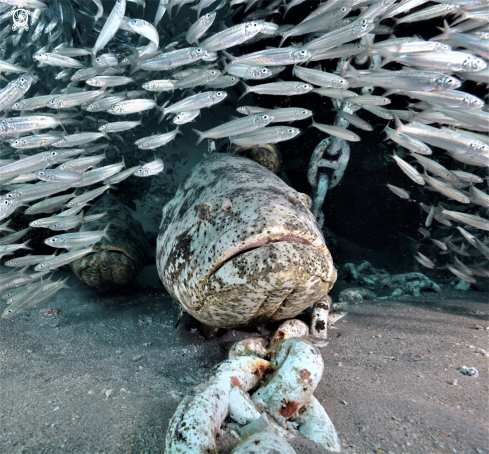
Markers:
point(150, 168)
point(273, 134)
point(131, 106)
point(148, 143)
point(15, 90)
point(235, 127)
point(268, 246)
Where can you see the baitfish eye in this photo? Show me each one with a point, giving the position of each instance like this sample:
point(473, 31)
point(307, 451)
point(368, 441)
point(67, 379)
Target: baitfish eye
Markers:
point(226, 205)
point(53, 154)
point(204, 210)
point(290, 130)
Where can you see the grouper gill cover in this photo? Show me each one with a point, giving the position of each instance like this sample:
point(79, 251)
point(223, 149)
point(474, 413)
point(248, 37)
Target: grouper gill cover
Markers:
point(238, 246)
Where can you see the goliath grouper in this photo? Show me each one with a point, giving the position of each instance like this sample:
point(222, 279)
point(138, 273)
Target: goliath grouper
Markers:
point(239, 247)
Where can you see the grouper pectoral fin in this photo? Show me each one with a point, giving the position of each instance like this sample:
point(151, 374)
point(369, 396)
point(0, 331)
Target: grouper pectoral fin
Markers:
point(178, 312)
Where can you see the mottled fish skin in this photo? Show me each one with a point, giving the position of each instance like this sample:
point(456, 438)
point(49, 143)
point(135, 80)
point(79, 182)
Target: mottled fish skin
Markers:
point(291, 269)
point(117, 261)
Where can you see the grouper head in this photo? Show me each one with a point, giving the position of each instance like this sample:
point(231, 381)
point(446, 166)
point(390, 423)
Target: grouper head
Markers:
point(237, 246)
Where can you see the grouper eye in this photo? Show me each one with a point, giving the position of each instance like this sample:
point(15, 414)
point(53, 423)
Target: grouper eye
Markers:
point(303, 199)
point(204, 210)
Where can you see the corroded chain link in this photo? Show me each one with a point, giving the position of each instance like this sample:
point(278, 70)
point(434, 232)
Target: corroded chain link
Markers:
point(261, 397)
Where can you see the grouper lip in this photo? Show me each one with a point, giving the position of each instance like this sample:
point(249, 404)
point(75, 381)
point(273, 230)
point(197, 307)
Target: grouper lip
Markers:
point(257, 244)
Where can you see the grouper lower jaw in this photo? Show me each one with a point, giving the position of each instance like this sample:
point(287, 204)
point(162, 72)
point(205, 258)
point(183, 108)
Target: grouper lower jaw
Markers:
point(272, 282)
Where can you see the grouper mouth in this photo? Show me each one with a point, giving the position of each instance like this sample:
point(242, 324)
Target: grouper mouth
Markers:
point(268, 279)
point(259, 243)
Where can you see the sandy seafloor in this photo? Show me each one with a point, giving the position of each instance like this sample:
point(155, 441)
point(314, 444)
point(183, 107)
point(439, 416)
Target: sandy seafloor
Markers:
point(391, 381)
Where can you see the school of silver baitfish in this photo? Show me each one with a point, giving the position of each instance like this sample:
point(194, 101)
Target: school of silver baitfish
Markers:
point(137, 67)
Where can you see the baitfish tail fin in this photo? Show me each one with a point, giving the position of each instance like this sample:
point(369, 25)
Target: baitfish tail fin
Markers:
point(105, 234)
point(246, 91)
point(200, 134)
point(228, 56)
